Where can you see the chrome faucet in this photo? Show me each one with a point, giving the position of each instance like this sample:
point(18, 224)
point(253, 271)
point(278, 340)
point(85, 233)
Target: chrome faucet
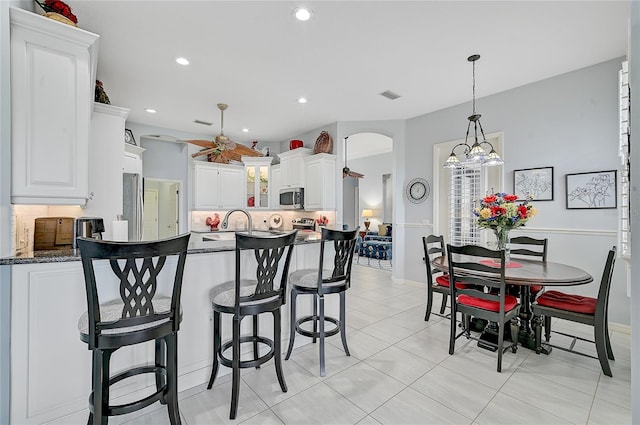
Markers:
point(225, 220)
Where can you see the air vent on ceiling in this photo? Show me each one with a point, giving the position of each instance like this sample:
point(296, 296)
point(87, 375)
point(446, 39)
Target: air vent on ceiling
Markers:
point(202, 122)
point(390, 95)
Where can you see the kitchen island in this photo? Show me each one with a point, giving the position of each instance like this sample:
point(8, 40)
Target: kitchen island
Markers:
point(51, 367)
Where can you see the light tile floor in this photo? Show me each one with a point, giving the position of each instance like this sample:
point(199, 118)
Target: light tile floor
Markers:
point(400, 372)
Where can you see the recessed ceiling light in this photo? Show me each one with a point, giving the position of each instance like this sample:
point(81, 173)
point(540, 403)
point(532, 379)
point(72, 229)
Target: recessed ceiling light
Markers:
point(302, 14)
point(302, 100)
point(245, 130)
point(182, 61)
point(151, 110)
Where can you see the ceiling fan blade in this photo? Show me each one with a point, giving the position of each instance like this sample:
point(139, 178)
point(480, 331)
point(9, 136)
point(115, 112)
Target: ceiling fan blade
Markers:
point(353, 174)
point(202, 143)
point(204, 152)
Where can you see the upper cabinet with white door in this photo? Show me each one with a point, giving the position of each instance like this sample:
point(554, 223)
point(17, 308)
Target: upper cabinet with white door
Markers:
point(53, 69)
point(292, 167)
point(257, 180)
point(320, 182)
point(217, 186)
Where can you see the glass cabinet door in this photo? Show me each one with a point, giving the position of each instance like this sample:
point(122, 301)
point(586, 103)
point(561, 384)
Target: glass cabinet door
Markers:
point(257, 186)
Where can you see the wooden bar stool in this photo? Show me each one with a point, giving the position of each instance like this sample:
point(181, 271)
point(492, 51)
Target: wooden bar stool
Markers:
point(320, 282)
point(142, 313)
point(251, 297)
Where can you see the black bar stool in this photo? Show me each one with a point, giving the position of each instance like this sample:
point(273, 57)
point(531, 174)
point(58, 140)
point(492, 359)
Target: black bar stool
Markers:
point(142, 313)
point(320, 282)
point(251, 297)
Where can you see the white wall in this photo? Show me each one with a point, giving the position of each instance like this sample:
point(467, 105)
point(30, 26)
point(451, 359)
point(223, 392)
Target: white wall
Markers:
point(634, 75)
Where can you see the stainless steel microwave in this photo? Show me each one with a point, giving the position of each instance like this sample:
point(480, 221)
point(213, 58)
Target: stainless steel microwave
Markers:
point(292, 198)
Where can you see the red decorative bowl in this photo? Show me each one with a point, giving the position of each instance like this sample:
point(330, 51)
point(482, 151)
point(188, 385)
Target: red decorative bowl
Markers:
point(295, 144)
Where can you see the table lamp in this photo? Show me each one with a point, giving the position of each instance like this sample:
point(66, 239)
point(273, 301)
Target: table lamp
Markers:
point(367, 214)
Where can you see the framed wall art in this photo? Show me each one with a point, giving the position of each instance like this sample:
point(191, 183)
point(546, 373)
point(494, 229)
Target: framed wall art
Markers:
point(592, 190)
point(128, 137)
point(534, 183)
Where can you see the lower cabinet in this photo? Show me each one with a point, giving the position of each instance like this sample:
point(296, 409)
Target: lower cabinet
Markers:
point(51, 367)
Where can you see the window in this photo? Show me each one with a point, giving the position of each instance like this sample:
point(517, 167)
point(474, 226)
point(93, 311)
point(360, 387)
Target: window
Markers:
point(465, 190)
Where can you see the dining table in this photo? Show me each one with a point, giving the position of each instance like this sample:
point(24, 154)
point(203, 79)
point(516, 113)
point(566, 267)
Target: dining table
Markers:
point(524, 273)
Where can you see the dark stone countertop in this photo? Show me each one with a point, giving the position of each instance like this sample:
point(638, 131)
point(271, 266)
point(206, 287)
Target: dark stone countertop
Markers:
point(199, 243)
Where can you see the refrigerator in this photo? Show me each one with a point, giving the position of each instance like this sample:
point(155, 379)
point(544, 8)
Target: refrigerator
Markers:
point(132, 190)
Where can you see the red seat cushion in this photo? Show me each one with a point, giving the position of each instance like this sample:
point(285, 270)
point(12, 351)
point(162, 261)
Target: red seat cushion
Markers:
point(509, 302)
point(535, 288)
point(444, 281)
point(568, 302)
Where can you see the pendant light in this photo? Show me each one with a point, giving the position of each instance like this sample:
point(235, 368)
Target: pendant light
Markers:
point(474, 153)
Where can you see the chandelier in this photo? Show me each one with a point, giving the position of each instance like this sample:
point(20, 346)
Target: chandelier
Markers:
point(475, 153)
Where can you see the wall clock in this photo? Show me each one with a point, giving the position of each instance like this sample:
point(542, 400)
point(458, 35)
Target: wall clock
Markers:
point(418, 190)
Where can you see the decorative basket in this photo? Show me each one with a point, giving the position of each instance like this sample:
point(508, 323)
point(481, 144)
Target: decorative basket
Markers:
point(60, 18)
point(324, 143)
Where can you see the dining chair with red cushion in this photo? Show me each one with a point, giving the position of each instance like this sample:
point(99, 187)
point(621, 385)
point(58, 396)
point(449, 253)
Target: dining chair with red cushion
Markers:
point(433, 248)
point(481, 295)
point(520, 247)
point(581, 309)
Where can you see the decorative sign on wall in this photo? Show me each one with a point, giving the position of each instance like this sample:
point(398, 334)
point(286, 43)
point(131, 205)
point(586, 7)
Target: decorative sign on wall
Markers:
point(534, 183)
point(592, 190)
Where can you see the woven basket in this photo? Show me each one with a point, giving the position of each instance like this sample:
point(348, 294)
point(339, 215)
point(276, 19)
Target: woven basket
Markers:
point(60, 18)
point(324, 143)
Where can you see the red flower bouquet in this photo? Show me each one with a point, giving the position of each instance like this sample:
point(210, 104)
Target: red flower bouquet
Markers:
point(60, 7)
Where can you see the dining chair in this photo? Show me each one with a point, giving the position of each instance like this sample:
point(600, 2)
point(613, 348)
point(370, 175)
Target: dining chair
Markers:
point(527, 247)
point(580, 309)
point(141, 311)
point(481, 271)
point(320, 282)
point(250, 294)
point(434, 247)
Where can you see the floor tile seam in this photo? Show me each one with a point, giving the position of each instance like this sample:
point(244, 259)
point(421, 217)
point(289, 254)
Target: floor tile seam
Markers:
point(368, 413)
point(595, 397)
point(413, 332)
point(414, 380)
point(330, 388)
point(544, 377)
point(536, 407)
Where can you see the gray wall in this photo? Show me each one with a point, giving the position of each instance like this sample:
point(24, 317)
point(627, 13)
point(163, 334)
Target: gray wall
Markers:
point(373, 167)
point(569, 122)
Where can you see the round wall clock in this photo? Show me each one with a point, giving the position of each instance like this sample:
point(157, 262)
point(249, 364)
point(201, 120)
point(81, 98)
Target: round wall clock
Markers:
point(418, 190)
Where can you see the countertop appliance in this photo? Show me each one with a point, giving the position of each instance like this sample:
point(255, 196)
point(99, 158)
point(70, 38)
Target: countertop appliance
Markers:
point(53, 233)
point(87, 227)
point(292, 198)
point(303, 223)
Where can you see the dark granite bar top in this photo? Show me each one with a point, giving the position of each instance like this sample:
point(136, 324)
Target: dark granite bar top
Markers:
point(199, 243)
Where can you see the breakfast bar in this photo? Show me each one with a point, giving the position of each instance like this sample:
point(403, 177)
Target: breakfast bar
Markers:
point(48, 297)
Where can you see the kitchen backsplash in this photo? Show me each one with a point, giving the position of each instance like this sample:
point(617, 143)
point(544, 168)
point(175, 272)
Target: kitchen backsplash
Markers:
point(23, 221)
point(261, 219)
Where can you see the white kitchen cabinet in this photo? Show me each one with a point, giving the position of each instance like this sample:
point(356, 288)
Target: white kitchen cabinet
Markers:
point(257, 180)
point(53, 68)
point(217, 186)
point(274, 187)
point(320, 182)
point(292, 167)
point(106, 154)
point(132, 163)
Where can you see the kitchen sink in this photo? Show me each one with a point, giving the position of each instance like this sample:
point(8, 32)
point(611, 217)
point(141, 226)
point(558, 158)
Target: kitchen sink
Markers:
point(230, 236)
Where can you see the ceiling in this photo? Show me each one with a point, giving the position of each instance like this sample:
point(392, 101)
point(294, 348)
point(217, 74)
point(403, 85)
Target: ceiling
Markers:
point(256, 57)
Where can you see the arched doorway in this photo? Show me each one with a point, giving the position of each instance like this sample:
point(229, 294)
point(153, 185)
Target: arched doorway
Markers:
point(370, 154)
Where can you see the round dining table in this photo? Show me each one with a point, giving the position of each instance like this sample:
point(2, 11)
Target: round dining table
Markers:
point(524, 273)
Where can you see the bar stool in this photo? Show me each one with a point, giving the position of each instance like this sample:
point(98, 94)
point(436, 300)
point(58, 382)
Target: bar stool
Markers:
point(251, 297)
point(143, 312)
point(320, 282)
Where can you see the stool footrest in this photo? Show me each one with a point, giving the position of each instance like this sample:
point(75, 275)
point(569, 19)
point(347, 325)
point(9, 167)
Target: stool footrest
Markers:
point(225, 361)
point(123, 409)
point(311, 334)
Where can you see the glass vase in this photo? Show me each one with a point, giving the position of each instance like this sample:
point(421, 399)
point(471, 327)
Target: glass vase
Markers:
point(503, 239)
